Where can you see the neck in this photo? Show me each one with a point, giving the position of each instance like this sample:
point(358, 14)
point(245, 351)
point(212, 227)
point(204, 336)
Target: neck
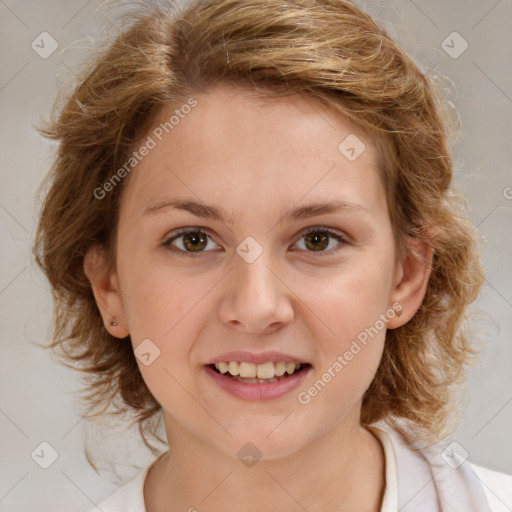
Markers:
point(343, 470)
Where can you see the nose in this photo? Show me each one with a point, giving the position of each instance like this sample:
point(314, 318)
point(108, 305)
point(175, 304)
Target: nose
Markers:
point(257, 299)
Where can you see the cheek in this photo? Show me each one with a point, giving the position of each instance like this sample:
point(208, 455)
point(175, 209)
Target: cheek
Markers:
point(350, 311)
point(165, 308)
point(353, 311)
point(156, 297)
point(349, 299)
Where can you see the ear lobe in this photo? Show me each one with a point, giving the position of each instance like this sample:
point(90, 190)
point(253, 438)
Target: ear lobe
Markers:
point(105, 288)
point(412, 280)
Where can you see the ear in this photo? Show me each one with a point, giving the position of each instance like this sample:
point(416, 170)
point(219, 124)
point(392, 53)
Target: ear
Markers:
point(411, 280)
point(105, 287)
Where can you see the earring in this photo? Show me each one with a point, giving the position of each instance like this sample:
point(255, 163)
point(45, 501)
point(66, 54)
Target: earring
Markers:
point(399, 312)
point(113, 323)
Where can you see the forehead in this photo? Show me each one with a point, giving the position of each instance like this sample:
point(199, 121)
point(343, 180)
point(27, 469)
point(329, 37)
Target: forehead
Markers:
point(236, 146)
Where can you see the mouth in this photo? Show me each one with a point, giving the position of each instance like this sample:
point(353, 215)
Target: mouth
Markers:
point(266, 381)
point(263, 373)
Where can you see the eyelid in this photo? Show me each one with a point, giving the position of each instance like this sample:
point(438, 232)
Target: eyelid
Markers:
point(177, 233)
point(333, 233)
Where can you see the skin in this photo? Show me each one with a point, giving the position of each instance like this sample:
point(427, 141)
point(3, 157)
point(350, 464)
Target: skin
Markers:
point(257, 160)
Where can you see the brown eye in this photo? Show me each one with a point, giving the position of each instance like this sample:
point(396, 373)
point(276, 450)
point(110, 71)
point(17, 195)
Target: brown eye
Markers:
point(318, 239)
point(188, 242)
point(195, 241)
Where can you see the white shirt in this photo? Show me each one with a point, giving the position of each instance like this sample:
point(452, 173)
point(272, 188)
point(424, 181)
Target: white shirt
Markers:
point(415, 487)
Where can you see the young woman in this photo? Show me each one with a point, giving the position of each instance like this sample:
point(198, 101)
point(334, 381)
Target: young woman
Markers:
point(250, 231)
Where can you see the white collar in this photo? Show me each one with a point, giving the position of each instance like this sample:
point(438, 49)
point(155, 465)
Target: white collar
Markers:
point(415, 480)
point(423, 480)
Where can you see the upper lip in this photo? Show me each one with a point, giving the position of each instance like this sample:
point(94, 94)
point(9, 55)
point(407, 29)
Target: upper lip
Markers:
point(255, 357)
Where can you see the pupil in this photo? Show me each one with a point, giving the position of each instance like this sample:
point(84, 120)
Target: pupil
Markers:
point(194, 240)
point(322, 238)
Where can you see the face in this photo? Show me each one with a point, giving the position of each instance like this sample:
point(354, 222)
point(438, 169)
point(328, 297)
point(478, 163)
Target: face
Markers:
point(273, 272)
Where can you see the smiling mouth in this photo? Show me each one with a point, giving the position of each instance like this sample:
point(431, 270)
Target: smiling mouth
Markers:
point(258, 373)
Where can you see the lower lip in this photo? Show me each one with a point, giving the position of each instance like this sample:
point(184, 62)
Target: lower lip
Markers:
point(264, 391)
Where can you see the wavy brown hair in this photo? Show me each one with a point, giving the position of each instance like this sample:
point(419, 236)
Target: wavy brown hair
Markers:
point(328, 50)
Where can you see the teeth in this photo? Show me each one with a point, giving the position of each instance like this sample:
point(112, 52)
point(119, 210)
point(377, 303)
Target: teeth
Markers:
point(290, 368)
point(279, 368)
point(247, 370)
point(265, 370)
point(256, 372)
point(255, 381)
point(222, 367)
point(233, 368)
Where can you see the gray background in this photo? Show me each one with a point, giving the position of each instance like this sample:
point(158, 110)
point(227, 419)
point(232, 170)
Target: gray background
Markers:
point(38, 397)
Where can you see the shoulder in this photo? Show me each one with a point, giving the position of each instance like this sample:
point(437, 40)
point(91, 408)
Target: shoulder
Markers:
point(130, 496)
point(452, 479)
point(497, 487)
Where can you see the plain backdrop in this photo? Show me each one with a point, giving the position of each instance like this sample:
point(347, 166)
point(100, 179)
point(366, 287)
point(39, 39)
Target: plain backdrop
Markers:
point(38, 403)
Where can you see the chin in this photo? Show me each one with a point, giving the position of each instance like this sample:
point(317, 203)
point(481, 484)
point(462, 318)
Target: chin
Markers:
point(263, 443)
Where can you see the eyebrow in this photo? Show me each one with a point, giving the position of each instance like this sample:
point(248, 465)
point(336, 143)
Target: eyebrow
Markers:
point(214, 213)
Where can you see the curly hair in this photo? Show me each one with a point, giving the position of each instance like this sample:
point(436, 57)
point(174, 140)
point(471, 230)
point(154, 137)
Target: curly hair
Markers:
point(329, 50)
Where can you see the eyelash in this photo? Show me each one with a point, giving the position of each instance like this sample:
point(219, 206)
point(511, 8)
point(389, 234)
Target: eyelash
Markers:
point(315, 229)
